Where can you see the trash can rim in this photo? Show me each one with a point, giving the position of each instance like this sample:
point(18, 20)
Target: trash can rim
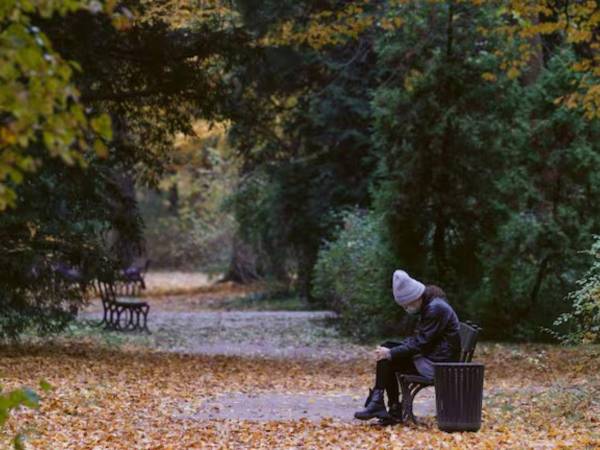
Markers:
point(458, 364)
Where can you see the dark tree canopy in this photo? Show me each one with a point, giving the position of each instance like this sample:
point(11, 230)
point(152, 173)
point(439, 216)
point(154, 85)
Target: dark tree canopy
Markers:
point(463, 133)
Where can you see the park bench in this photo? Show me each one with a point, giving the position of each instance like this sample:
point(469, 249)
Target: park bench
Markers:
point(136, 273)
point(411, 385)
point(122, 309)
point(68, 273)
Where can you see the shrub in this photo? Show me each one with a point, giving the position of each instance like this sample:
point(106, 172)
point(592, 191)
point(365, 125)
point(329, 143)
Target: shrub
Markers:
point(15, 399)
point(353, 277)
point(581, 325)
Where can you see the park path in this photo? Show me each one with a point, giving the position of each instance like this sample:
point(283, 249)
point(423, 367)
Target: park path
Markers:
point(217, 372)
point(181, 324)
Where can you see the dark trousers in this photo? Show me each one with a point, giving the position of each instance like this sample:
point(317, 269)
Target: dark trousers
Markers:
point(385, 377)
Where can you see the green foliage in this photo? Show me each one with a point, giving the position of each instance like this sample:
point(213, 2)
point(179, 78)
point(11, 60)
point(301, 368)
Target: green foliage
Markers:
point(57, 216)
point(185, 224)
point(39, 104)
point(489, 199)
point(255, 207)
point(71, 216)
point(154, 77)
point(352, 276)
point(16, 398)
point(302, 128)
point(441, 142)
point(482, 178)
point(581, 324)
point(483, 182)
point(65, 71)
point(545, 213)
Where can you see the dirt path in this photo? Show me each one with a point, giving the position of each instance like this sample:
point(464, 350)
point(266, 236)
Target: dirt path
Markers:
point(312, 406)
point(265, 334)
point(293, 335)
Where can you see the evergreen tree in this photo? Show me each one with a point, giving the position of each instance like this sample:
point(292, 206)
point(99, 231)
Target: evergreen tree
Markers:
point(304, 130)
point(445, 119)
point(548, 213)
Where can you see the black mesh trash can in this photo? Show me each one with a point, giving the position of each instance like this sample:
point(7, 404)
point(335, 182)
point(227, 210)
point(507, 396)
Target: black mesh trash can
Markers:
point(458, 396)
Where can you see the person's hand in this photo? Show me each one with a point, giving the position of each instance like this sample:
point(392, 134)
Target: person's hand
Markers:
point(382, 353)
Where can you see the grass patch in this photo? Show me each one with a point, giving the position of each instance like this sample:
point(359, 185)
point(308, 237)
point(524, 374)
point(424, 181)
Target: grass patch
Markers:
point(90, 332)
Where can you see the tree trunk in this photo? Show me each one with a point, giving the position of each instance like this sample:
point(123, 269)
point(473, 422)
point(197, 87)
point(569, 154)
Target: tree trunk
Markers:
point(173, 198)
point(537, 60)
point(242, 267)
point(123, 238)
point(306, 263)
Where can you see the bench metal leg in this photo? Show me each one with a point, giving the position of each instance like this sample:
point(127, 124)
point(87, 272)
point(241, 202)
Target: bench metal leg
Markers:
point(133, 315)
point(135, 319)
point(145, 310)
point(141, 319)
point(112, 320)
point(409, 392)
point(119, 317)
point(105, 312)
point(119, 325)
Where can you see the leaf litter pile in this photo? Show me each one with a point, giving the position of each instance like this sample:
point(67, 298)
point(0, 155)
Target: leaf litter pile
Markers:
point(136, 395)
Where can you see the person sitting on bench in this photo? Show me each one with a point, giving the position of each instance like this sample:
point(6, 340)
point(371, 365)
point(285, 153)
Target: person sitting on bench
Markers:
point(436, 339)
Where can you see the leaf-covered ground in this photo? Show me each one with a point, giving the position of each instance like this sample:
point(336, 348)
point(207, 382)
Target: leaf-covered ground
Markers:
point(112, 392)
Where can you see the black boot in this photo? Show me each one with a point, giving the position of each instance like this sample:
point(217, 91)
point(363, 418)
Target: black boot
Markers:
point(395, 411)
point(374, 406)
point(394, 415)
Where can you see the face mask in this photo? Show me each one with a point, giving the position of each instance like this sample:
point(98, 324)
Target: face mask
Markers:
point(413, 311)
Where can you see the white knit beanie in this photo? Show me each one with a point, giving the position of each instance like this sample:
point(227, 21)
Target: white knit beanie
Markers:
point(405, 288)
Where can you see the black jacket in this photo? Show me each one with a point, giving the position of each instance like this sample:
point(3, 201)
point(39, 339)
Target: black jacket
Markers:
point(436, 336)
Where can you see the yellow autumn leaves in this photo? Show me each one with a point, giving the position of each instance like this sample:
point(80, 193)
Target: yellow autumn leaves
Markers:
point(524, 20)
point(38, 102)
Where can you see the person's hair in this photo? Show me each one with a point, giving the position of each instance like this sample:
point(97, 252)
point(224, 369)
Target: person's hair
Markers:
point(432, 291)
